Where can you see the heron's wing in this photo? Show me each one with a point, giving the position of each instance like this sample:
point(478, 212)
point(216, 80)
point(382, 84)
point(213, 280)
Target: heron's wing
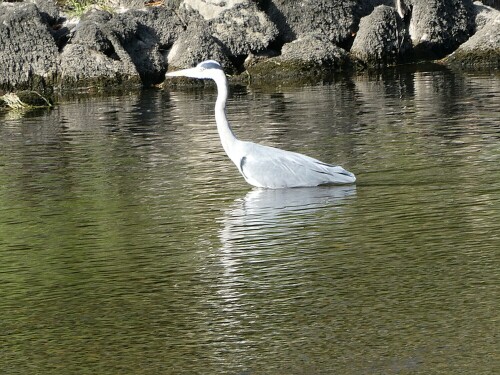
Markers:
point(274, 168)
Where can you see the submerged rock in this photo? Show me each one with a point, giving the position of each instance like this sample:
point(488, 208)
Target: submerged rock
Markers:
point(28, 53)
point(25, 100)
point(381, 39)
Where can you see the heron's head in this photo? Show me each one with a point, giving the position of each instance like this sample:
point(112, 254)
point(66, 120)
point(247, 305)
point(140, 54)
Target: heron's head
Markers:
point(208, 69)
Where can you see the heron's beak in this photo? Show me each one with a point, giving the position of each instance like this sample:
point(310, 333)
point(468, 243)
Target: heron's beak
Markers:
point(191, 72)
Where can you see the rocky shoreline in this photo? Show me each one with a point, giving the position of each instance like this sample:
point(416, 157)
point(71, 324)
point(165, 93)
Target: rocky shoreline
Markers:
point(133, 43)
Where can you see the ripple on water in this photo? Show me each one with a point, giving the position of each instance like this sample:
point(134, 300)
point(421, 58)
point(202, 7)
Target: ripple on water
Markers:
point(129, 243)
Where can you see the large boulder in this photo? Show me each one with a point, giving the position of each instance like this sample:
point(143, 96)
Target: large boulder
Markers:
point(381, 39)
point(335, 21)
point(196, 44)
point(482, 50)
point(82, 66)
point(157, 30)
point(162, 23)
point(437, 27)
point(305, 60)
point(28, 53)
point(95, 56)
point(238, 24)
point(132, 42)
point(243, 29)
point(314, 50)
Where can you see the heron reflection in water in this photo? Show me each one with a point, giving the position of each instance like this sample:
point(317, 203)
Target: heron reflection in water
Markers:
point(263, 166)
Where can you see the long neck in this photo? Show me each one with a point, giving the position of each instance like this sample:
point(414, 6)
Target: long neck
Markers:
point(226, 134)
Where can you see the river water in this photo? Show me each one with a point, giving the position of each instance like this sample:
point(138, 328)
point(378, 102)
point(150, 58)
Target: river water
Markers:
point(129, 243)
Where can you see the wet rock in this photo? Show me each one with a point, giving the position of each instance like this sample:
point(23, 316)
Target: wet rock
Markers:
point(381, 39)
point(25, 100)
point(437, 27)
point(28, 53)
point(335, 21)
point(196, 44)
point(482, 50)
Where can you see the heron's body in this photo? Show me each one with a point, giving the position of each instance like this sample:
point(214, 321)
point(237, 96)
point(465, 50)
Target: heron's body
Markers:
point(264, 166)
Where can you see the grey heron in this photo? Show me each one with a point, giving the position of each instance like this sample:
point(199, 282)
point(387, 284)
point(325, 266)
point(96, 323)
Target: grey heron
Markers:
point(263, 166)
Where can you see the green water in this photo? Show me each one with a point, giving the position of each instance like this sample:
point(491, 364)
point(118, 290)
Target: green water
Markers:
point(129, 243)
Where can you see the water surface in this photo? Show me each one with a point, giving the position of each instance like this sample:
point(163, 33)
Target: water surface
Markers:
point(129, 244)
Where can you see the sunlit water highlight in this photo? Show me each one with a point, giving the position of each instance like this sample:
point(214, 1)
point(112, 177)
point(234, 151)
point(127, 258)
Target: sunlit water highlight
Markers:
point(130, 244)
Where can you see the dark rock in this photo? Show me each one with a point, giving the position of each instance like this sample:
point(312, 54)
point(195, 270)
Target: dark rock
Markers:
point(92, 33)
point(335, 21)
point(495, 4)
point(123, 27)
point(158, 28)
point(381, 39)
point(28, 53)
point(437, 27)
